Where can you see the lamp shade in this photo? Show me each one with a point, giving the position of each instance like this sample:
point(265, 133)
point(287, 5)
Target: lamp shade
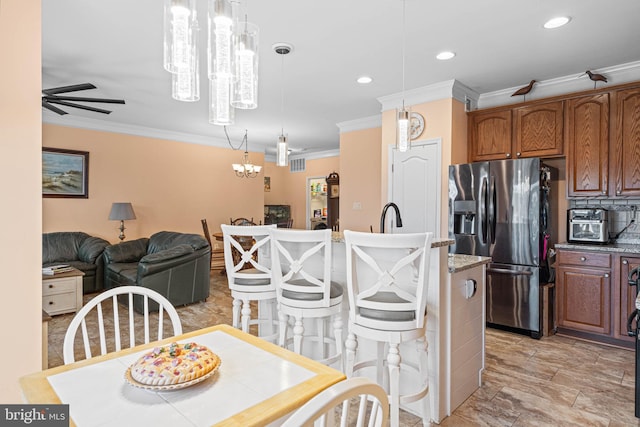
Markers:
point(121, 212)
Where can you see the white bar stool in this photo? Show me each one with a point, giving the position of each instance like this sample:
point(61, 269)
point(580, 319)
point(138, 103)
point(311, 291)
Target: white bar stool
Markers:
point(301, 267)
point(248, 246)
point(387, 282)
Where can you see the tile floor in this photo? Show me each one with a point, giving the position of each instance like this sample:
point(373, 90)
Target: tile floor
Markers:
point(556, 381)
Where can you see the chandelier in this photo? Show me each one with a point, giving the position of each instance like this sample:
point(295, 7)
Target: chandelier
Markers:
point(246, 169)
point(232, 57)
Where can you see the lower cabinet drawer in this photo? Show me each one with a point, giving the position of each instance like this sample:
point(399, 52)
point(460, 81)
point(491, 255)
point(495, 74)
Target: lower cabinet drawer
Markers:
point(58, 286)
point(59, 303)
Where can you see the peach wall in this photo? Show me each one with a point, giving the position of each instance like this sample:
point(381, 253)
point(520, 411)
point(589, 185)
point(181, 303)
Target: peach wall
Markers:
point(360, 179)
point(20, 134)
point(172, 185)
point(439, 123)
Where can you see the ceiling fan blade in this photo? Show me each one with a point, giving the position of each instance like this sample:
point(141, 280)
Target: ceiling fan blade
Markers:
point(81, 99)
point(46, 105)
point(81, 107)
point(72, 88)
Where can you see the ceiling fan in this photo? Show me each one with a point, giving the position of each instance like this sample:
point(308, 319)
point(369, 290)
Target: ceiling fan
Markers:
point(51, 97)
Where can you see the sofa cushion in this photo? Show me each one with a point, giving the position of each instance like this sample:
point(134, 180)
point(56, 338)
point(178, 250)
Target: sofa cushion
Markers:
point(129, 270)
point(167, 254)
point(91, 248)
point(130, 251)
point(61, 246)
point(168, 239)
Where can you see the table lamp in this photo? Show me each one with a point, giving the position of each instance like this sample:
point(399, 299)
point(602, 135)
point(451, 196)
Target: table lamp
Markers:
point(121, 212)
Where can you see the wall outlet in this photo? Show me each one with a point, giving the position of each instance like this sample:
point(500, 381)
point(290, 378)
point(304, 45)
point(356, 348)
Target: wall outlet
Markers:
point(357, 206)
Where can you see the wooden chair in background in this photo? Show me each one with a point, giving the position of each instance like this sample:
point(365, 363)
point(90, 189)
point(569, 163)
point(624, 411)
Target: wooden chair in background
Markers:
point(217, 253)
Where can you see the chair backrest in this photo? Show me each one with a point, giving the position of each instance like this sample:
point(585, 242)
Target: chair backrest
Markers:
point(241, 221)
point(372, 404)
point(301, 264)
point(207, 235)
point(242, 244)
point(88, 319)
point(387, 279)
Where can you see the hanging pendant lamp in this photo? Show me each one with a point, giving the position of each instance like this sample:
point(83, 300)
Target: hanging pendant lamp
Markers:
point(282, 147)
point(246, 169)
point(180, 35)
point(403, 141)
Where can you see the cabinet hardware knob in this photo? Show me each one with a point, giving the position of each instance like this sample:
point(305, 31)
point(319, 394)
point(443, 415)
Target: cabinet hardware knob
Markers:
point(50, 302)
point(518, 154)
point(618, 192)
point(625, 262)
point(583, 259)
point(508, 155)
point(606, 274)
point(50, 286)
point(604, 191)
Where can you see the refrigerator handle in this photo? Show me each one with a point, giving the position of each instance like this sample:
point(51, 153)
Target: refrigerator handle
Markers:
point(492, 208)
point(483, 211)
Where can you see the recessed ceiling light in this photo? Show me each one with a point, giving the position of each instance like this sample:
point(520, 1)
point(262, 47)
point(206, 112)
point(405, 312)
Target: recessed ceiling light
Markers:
point(443, 56)
point(557, 22)
point(364, 80)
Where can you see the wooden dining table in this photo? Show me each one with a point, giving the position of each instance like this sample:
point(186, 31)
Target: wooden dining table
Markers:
point(257, 383)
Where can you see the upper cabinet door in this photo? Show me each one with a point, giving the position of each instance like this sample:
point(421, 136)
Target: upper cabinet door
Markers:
point(626, 144)
point(538, 130)
point(587, 136)
point(490, 136)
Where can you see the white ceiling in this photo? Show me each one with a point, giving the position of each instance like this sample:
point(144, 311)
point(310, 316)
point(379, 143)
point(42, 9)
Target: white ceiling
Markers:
point(117, 45)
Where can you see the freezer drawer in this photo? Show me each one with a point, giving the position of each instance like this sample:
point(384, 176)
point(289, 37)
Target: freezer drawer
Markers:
point(513, 297)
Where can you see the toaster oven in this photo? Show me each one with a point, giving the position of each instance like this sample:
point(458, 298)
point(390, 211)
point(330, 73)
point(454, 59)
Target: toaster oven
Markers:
point(588, 225)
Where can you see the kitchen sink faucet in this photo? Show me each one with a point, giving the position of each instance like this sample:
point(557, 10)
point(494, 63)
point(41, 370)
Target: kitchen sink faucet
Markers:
point(384, 214)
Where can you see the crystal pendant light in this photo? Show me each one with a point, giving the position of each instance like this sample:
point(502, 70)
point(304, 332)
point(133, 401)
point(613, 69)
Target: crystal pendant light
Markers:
point(245, 94)
point(402, 137)
point(282, 147)
point(185, 85)
point(180, 34)
point(220, 62)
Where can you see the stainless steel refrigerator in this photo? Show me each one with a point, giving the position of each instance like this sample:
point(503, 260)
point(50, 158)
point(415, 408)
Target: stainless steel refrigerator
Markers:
point(500, 209)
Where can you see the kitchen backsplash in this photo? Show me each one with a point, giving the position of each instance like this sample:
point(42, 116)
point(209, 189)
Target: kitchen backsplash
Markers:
point(621, 213)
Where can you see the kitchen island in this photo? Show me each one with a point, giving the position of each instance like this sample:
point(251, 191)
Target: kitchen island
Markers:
point(455, 324)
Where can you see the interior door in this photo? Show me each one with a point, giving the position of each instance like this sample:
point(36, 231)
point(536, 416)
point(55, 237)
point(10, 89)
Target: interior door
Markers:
point(415, 188)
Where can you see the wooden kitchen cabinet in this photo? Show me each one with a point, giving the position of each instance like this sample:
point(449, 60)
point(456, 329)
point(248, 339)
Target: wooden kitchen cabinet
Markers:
point(583, 283)
point(587, 139)
point(625, 142)
point(530, 131)
point(490, 134)
point(538, 130)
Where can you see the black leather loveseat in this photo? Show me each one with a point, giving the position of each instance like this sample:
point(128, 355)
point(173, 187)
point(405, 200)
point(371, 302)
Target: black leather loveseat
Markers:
point(79, 250)
point(177, 265)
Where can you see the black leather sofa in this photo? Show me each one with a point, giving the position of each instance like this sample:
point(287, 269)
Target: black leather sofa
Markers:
point(177, 265)
point(79, 250)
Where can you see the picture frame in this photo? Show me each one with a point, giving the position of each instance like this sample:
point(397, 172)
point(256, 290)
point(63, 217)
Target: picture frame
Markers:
point(267, 184)
point(65, 173)
point(335, 191)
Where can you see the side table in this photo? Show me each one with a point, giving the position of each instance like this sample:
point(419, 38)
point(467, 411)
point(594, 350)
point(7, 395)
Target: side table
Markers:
point(62, 293)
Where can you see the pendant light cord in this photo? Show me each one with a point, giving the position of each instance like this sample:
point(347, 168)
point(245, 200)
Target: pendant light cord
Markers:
point(404, 36)
point(282, 95)
point(244, 140)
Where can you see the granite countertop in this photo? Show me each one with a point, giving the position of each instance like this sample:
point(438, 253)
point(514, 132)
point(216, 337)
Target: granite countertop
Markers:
point(437, 242)
point(612, 247)
point(459, 263)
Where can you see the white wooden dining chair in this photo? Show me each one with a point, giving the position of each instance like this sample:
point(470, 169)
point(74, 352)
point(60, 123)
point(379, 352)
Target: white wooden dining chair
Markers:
point(355, 401)
point(248, 268)
point(301, 267)
point(116, 329)
point(387, 286)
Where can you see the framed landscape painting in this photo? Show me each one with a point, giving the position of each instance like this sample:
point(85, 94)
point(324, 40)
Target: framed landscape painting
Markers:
point(65, 173)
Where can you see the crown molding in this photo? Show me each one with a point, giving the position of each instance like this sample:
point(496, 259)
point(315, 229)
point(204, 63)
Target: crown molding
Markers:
point(434, 92)
point(360, 124)
point(112, 127)
point(617, 74)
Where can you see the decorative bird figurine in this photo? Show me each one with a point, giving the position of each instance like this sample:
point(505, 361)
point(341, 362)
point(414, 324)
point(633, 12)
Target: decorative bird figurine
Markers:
point(596, 78)
point(524, 90)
